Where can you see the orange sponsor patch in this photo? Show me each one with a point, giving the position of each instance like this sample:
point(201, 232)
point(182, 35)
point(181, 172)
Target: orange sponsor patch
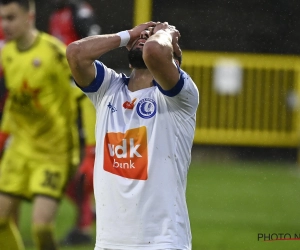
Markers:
point(126, 154)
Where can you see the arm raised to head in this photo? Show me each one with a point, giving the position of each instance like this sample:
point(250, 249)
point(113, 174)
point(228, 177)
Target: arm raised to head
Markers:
point(160, 53)
point(81, 54)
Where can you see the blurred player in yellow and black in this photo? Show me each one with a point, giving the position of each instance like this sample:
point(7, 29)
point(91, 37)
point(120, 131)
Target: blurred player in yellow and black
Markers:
point(70, 21)
point(40, 117)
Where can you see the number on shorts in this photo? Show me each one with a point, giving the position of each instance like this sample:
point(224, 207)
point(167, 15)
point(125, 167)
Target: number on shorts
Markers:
point(51, 179)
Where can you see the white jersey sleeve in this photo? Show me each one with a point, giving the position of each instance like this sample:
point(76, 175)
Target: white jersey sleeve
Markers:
point(103, 79)
point(183, 96)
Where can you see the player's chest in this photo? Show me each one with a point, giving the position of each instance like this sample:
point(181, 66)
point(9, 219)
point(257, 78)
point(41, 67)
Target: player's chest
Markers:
point(25, 71)
point(123, 111)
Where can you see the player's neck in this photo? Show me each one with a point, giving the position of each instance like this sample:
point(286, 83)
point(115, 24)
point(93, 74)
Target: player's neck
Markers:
point(27, 40)
point(140, 79)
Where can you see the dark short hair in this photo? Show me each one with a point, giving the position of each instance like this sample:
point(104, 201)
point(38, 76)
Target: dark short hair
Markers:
point(25, 4)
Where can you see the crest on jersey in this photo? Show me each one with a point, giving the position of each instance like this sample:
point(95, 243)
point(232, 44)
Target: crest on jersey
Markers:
point(36, 62)
point(146, 108)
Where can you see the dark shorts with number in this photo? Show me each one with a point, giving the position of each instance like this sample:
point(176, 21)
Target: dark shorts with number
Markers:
point(23, 177)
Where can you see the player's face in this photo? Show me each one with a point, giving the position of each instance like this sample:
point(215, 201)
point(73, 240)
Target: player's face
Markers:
point(15, 21)
point(135, 54)
point(139, 43)
point(135, 58)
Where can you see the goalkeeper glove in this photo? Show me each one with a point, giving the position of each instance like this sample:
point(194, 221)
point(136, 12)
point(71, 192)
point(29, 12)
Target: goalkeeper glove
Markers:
point(3, 138)
point(87, 167)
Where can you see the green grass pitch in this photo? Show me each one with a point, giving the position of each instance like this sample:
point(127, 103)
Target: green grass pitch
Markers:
point(229, 204)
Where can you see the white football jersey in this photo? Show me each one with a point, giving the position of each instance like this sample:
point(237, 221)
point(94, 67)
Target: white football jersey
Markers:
point(143, 152)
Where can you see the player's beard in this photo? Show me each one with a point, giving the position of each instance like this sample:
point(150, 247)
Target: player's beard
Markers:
point(135, 58)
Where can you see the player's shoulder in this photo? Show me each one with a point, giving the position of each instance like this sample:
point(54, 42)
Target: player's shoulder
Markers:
point(8, 46)
point(8, 51)
point(53, 46)
point(187, 79)
point(51, 41)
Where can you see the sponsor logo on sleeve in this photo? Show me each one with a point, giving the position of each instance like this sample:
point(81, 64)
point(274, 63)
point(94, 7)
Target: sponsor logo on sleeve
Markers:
point(126, 154)
point(146, 108)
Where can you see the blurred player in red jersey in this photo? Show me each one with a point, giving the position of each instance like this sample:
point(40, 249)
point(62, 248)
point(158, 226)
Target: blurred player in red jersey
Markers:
point(72, 20)
point(69, 22)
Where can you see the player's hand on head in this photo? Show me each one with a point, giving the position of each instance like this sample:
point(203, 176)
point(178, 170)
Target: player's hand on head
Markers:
point(176, 47)
point(175, 34)
point(136, 32)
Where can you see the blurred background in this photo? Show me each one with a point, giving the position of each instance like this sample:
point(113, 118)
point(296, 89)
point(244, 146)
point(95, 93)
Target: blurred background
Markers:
point(244, 57)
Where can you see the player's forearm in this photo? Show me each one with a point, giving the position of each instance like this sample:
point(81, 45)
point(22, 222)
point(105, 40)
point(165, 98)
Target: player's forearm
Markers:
point(89, 49)
point(158, 56)
point(82, 53)
point(157, 47)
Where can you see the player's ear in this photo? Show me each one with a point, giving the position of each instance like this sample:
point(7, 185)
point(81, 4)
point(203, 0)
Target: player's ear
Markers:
point(31, 17)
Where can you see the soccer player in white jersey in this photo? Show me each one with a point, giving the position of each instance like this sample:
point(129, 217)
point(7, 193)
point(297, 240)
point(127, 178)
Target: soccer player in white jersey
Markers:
point(144, 133)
